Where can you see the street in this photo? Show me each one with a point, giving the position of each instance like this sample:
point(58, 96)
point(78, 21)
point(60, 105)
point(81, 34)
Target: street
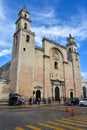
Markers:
point(44, 118)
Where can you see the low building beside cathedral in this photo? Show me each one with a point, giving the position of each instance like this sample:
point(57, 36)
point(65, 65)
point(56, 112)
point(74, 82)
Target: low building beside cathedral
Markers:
point(51, 71)
point(84, 87)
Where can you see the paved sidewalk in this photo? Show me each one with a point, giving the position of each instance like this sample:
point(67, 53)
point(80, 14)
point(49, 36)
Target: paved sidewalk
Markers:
point(6, 106)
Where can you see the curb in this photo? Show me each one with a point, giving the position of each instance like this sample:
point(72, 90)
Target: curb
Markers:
point(28, 106)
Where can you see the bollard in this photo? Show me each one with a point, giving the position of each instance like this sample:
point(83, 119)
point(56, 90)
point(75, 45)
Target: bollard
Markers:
point(67, 109)
point(72, 111)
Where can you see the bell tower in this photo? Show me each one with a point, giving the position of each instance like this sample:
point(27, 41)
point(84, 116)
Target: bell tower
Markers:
point(23, 31)
point(71, 47)
point(23, 54)
point(73, 58)
point(23, 21)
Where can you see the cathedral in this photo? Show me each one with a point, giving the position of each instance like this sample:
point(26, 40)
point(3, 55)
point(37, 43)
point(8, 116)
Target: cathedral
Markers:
point(51, 71)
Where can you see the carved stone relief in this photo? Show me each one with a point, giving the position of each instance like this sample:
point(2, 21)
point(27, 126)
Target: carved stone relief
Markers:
point(55, 54)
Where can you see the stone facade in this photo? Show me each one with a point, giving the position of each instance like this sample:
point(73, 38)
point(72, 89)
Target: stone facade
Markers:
point(4, 81)
point(5, 71)
point(51, 71)
point(84, 87)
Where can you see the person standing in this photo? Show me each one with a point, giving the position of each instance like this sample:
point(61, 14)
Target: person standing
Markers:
point(30, 101)
point(38, 101)
point(49, 101)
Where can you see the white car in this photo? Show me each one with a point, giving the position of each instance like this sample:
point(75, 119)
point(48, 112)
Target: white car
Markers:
point(83, 102)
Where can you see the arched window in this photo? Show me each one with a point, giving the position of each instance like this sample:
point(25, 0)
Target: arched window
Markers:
point(84, 92)
point(25, 25)
point(57, 94)
point(69, 49)
point(38, 95)
point(55, 65)
point(27, 38)
point(25, 15)
point(71, 94)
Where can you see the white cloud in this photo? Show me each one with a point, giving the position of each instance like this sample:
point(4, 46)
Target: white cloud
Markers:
point(51, 26)
point(5, 44)
point(46, 24)
point(5, 52)
point(84, 75)
point(2, 16)
point(80, 33)
point(45, 14)
point(6, 32)
point(46, 17)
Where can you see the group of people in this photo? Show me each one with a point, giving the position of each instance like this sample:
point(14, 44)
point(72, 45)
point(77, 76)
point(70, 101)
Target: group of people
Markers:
point(36, 102)
point(47, 101)
point(15, 98)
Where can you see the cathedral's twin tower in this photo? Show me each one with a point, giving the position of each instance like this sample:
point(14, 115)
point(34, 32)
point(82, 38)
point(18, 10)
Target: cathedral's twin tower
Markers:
point(51, 71)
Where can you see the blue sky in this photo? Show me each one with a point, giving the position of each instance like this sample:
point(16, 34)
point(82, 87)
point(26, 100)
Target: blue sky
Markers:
point(54, 19)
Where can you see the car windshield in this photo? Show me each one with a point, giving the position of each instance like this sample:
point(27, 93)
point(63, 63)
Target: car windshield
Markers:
point(85, 99)
point(14, 95)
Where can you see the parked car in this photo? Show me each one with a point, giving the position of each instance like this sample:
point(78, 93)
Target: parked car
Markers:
point(83, 102)
point(72, 101)
point(15, 99)
point(75, 101)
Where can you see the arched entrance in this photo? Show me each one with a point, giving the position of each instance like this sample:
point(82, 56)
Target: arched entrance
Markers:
point(84, 92)
point(38, 94)
point(57, 94)
point(71, 94)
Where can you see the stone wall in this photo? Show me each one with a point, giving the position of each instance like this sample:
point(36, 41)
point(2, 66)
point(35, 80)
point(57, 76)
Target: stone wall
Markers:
point(5, 71)
point(84, 87)
point(4, 90)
